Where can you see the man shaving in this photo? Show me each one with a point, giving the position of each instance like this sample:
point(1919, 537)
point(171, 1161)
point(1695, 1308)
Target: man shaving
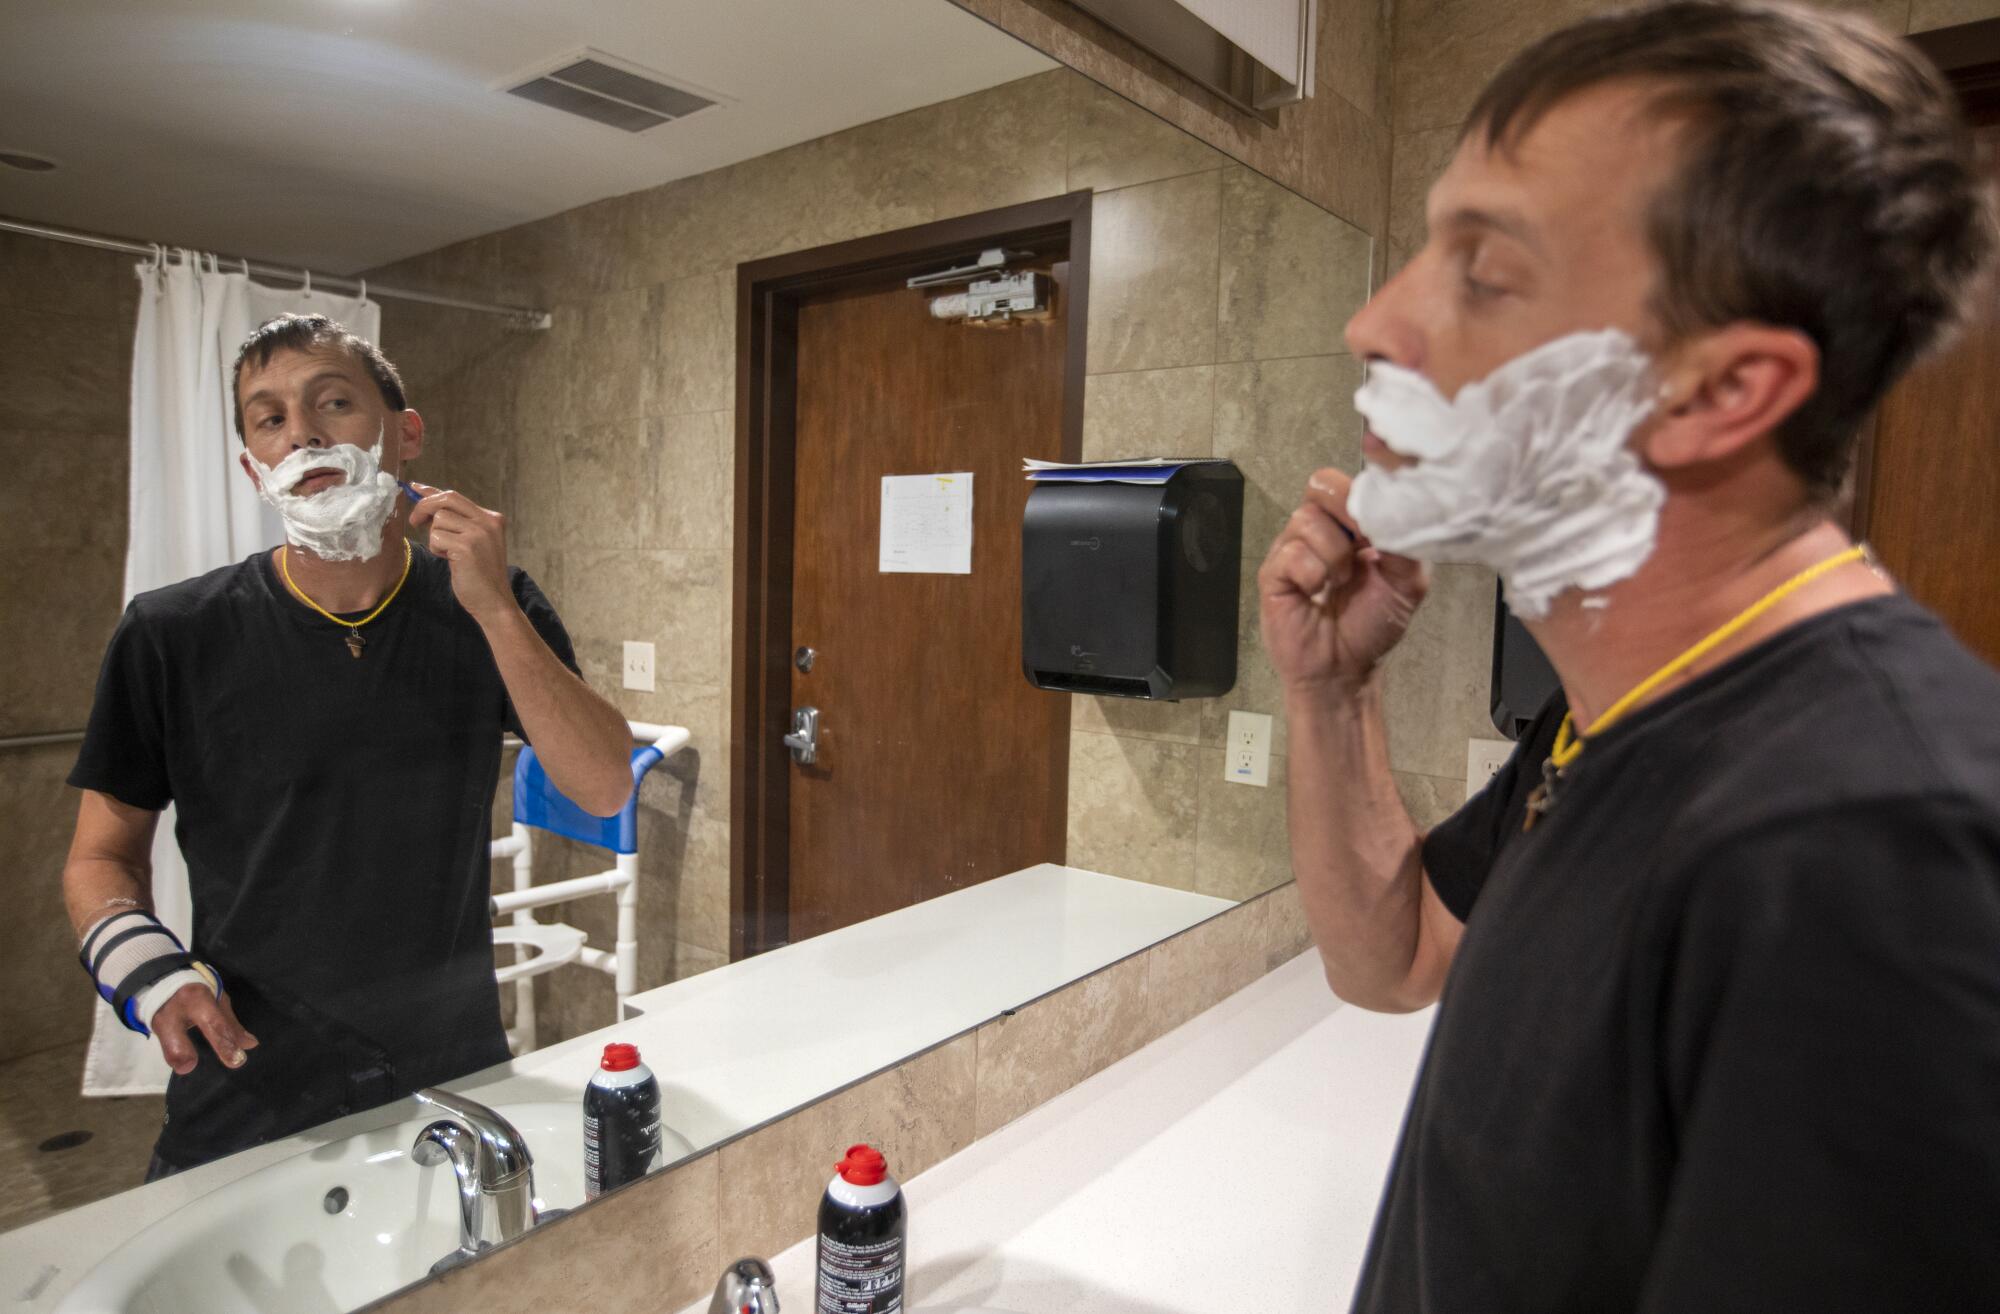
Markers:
point(1718, 950)
point(326, 717)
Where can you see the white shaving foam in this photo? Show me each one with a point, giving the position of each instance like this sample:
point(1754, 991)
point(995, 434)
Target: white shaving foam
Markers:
point(1525, 471)
point(340, 523)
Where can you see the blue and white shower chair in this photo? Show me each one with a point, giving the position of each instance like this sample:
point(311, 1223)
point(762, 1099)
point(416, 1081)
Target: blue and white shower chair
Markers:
point(539, 805)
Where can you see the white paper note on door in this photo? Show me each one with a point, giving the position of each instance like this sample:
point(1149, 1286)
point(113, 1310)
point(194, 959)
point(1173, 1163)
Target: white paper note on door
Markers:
point(927, 524)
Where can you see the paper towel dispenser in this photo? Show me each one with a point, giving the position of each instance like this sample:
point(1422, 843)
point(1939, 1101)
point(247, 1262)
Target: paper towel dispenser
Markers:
point(1132, 589)
point(1523, 680)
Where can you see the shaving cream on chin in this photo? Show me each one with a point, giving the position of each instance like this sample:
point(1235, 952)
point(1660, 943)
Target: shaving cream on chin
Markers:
point(1525, 471)
point(340, 523)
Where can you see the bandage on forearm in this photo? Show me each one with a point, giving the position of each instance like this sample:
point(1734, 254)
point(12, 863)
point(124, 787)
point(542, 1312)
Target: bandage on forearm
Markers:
point(128, 954)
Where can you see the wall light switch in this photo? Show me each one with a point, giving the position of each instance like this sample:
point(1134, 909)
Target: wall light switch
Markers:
point(639, 666)
point(1483, 757)
point(1247, 757)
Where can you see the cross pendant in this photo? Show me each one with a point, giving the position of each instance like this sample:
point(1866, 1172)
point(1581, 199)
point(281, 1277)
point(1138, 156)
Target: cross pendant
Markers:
point(355, 643)
point(1543, 798)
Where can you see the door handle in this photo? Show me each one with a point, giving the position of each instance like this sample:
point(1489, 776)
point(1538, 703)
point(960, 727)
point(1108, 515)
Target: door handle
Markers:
point(804, 738)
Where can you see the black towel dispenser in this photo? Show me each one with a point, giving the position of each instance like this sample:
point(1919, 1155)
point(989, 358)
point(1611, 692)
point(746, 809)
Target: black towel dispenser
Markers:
point(1523, 680)
point(1132, 589)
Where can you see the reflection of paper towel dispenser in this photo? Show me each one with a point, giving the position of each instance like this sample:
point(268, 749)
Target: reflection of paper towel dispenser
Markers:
point(1132, 589)
point(1523, 680)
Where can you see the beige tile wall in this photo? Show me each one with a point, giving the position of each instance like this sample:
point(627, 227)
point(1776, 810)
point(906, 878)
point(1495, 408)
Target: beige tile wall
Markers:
point(66, 322)
point(662, 1242)
point(1217, 302)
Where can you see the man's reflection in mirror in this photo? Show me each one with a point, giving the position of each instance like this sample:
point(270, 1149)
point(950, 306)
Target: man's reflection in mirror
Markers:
point(326, 718)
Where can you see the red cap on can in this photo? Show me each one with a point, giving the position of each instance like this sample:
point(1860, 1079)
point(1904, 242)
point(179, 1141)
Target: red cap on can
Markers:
point(863, 1166)
point(618, 1057)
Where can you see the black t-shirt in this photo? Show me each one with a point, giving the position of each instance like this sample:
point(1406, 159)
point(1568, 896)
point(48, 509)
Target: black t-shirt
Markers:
point(335, 814)
point(1723, 1032)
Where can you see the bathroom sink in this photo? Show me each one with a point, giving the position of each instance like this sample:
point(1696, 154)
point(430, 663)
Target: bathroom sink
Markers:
point(324, 1231)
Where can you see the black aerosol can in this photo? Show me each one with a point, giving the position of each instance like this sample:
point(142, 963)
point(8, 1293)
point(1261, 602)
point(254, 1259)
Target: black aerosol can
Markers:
point(861, 1238)
point(621, 1122)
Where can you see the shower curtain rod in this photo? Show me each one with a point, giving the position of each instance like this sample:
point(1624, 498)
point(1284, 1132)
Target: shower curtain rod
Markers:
point(525, 316)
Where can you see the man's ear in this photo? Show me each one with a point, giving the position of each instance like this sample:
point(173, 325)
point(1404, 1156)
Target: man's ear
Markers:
point(243, 459)
point(410, 442)
point(1728, 388)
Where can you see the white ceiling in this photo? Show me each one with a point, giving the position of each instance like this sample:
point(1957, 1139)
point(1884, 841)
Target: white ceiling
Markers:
point(344, 134)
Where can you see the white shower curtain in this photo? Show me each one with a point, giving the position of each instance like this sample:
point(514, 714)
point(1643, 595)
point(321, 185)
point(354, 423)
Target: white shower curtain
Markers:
point(192, 509)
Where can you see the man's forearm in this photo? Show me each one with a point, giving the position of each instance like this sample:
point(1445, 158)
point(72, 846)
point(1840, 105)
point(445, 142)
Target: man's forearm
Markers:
point(110, 865)
point(581, 739)
point(94, 888)
point(1355, 851)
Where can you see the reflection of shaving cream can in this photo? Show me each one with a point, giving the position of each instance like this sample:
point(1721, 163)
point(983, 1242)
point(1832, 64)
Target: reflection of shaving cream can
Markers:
point(621, 1122)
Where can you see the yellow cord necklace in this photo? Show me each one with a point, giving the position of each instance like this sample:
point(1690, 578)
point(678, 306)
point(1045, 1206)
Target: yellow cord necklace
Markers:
point(1569, 746)
point(355, 642)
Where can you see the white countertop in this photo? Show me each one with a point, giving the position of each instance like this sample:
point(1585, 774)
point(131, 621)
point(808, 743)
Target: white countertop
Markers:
point(1233, 1164)
point(738, 1046)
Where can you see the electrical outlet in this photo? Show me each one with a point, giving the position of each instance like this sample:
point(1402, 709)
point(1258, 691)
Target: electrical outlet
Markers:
point(1246, 758)
point(639, 666)
point(1483, 757)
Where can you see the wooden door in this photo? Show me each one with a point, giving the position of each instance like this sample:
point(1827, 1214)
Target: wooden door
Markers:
point(1933, 492)
point(939, 766)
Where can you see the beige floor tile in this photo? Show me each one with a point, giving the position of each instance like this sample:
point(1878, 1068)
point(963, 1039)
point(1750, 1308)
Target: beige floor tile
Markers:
point(39, 1101)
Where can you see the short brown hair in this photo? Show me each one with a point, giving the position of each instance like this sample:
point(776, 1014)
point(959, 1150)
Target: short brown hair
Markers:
point(312, 333)
point(1828, 183)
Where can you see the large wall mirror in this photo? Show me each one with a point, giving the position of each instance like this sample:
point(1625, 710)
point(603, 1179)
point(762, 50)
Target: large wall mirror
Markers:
point(586, 202)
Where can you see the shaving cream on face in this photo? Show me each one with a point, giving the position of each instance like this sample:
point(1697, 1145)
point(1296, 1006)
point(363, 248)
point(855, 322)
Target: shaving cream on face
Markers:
point(340, 523)
point(1525, 471)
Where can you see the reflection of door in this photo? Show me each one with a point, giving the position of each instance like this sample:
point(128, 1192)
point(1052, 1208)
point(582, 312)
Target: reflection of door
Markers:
point(938, 765)
point(1932, 495)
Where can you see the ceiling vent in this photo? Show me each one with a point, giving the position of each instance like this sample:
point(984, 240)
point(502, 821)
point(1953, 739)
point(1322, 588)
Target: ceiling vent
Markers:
point(618, 94)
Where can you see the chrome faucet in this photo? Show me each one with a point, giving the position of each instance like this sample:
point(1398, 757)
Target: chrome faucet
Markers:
point(495, 1173)
point(747, 1287)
